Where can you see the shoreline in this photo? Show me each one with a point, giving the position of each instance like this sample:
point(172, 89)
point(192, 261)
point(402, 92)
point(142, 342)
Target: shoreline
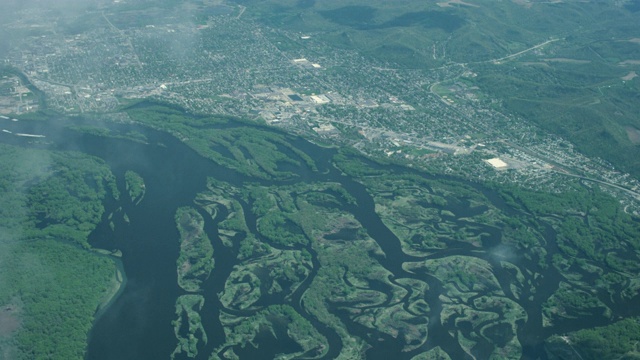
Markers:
point(118, 283)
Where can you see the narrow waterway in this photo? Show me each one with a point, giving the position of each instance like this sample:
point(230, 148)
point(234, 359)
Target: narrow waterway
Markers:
point(137, 325)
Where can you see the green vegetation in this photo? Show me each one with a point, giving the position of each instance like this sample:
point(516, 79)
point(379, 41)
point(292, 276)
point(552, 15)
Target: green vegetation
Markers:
point(281, 271)
point(352, 163)
point(6, 70)
point(106, 132)
point(349, 283)
point(187, 311)
point(248, 149)
point(280, 321)
point(302, 254)
point(593, 111)
point(413, 253)
point(50, 284)
point(580, 86)
point(347, 275)
point(425, 214)
point(281, 230)
point(434, 354)
point(472, 291)
point(568, 302)
point(616, 341)
point(234, 225)
point(576, 87)
point(67, 206)
point(591, 225)
point(386, 31)
point(135, 186)
point(296, 223)
point(592, 232)
point(195, 261)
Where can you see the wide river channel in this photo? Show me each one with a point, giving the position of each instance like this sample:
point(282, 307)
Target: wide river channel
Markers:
point(137, 324)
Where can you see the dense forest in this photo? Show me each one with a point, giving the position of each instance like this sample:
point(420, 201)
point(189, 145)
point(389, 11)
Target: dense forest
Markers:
point(50, 283)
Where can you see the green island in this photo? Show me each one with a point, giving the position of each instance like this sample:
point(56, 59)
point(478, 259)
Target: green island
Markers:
point(248, 149)
point(195, 260)
point(134, 186)
point(450, 179)
point(315, 273)
point(187, 312)
point(98, 130)
point(434, 354)
point(283, 270)
point(275, 320)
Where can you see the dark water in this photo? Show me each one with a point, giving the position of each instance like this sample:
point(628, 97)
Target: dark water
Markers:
point(137, 325)
point(633, 6)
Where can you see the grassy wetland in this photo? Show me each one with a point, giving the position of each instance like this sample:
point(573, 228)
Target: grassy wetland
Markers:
point(320, 253)
point(133, 228)
point(381, 260)
point(367, 260)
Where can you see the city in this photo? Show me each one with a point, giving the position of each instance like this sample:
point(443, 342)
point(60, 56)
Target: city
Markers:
point(280, 179)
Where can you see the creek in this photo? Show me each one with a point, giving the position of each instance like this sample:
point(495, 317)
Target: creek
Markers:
point(137, 324)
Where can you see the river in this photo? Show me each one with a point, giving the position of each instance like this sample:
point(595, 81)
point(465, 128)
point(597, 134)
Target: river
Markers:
point(137, 325)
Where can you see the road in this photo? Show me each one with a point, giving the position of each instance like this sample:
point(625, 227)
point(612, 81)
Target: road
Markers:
point(497, 61)
point(562, 170)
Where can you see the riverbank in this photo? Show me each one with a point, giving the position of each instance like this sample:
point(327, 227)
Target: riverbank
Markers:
point(116, 286)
